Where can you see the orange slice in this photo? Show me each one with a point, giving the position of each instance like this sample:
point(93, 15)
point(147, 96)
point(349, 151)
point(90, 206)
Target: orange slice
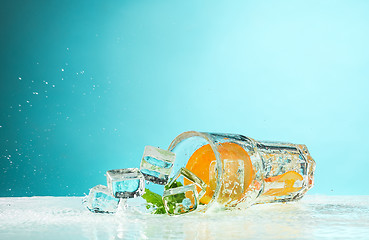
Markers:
point(288, 179)
point(202, 164)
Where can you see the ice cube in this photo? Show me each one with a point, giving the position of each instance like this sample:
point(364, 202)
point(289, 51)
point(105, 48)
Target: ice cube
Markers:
point(99, 200)
point(156, 164)
point(126, 183)
point(181, 200)
point(184, 172)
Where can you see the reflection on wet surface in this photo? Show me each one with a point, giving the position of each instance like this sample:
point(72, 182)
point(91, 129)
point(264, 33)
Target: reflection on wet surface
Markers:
point(62, 218)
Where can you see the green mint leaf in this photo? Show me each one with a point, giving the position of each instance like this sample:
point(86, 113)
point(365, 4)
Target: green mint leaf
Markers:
point(155, 200)
point(152, 197)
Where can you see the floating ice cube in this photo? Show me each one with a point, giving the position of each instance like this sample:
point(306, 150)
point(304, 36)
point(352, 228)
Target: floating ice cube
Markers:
point(157, 164)
point(181, 200)
point(184, 172)
point(126, 183)
point(99, 200)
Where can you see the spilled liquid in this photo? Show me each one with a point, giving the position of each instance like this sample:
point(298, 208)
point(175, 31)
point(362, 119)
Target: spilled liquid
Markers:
point(323, 217)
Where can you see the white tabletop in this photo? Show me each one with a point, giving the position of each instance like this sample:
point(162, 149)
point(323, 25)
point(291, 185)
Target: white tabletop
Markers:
point(314, 217)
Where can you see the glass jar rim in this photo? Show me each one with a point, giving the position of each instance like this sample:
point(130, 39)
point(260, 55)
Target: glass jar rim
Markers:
point(209, 139)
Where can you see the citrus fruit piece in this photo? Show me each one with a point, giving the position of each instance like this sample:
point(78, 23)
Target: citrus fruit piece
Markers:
point(202, 163)
point(288, 179)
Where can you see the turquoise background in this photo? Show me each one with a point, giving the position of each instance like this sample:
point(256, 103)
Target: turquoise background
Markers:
point(85, 85)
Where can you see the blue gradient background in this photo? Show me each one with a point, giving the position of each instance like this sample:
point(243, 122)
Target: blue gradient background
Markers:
point(139, 73)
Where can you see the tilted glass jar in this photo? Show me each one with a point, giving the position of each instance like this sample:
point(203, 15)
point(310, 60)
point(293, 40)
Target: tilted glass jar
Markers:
point(240, 171)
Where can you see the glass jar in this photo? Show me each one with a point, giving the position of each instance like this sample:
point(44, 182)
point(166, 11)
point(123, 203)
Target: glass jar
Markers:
point(239, 171)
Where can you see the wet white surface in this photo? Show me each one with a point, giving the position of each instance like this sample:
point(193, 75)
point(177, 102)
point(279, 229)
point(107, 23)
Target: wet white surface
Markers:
point(314, 217)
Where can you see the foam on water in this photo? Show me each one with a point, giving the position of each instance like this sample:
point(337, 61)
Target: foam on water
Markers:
point(64, 217)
